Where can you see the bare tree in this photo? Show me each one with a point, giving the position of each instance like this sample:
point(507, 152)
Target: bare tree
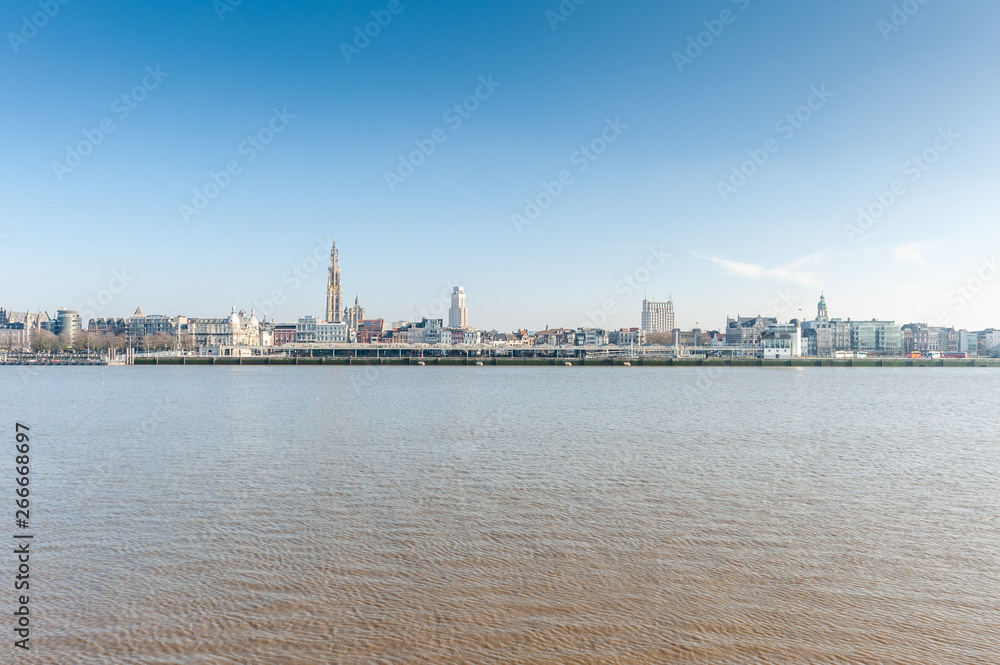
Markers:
point(45, 340)
point(164, 341)
point(84, 341)
point(187, 342)
point(161, 341)
point(660, 338)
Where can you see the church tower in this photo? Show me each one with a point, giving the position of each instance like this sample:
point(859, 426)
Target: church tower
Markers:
point(821, 313)
point(354, 315)
point(334, 295)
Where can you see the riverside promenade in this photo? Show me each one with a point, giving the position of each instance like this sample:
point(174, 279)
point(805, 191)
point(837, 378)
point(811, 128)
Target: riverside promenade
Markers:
point(562, 362)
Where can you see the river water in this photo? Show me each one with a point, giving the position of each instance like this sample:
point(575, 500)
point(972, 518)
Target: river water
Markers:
point(509, 515)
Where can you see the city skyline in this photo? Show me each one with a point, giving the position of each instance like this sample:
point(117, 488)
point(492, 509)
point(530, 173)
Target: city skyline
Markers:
point(764, 180)
point(450, 307)
point(659, 318)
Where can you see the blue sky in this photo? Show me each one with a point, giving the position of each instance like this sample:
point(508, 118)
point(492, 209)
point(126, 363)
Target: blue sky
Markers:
point(345, 116)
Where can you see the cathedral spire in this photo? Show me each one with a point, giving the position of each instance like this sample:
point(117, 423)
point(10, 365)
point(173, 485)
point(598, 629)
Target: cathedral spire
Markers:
point(334, 293)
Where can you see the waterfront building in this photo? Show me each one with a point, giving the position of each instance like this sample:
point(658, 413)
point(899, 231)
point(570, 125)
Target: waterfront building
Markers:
point(922, 338)
point(333, 333)
point(108, 325)
point(777, 344)
point(989, 343)
point(334, 293)
point(354, 315)
point(657, 317)
point(370, 331)
point(590, 337)
point(236, 330)
point(66, 324)
point(428, 331)
point(746, 330)
point(627, 337)
point(305, 329)
point(14, 336)
point(824, 336)
point(555, 337)
point(458, 316)
point(880, 337)
point(18, 328)
point(284, 333)
point(784, 335)
point(400, 333)
point(140, 325)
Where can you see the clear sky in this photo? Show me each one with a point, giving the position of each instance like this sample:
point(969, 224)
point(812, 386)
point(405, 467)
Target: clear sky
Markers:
point(115, 115)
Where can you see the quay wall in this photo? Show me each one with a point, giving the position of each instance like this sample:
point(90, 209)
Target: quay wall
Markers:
point(585, 362)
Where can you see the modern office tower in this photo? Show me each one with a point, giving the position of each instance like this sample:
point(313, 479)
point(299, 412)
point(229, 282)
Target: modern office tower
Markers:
point(67, 323)
point(657, 317)
point(334, 295)
point(458, 316)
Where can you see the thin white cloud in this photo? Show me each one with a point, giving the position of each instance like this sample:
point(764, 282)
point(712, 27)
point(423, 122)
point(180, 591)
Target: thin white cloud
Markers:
point(913, 251)
point(797, 272)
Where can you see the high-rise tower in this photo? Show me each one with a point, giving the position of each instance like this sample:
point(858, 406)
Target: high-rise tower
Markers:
point(657, 317)
point(334, 295)
point(458, 316)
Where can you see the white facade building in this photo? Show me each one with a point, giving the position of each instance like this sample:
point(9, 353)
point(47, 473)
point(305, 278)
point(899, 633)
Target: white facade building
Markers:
point(237, 330)
point(458, 316)
point(333, 333)
point(308, 329)
point(657, 317)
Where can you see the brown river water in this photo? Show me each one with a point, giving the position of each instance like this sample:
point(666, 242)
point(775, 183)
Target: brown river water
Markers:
point(508, 515)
